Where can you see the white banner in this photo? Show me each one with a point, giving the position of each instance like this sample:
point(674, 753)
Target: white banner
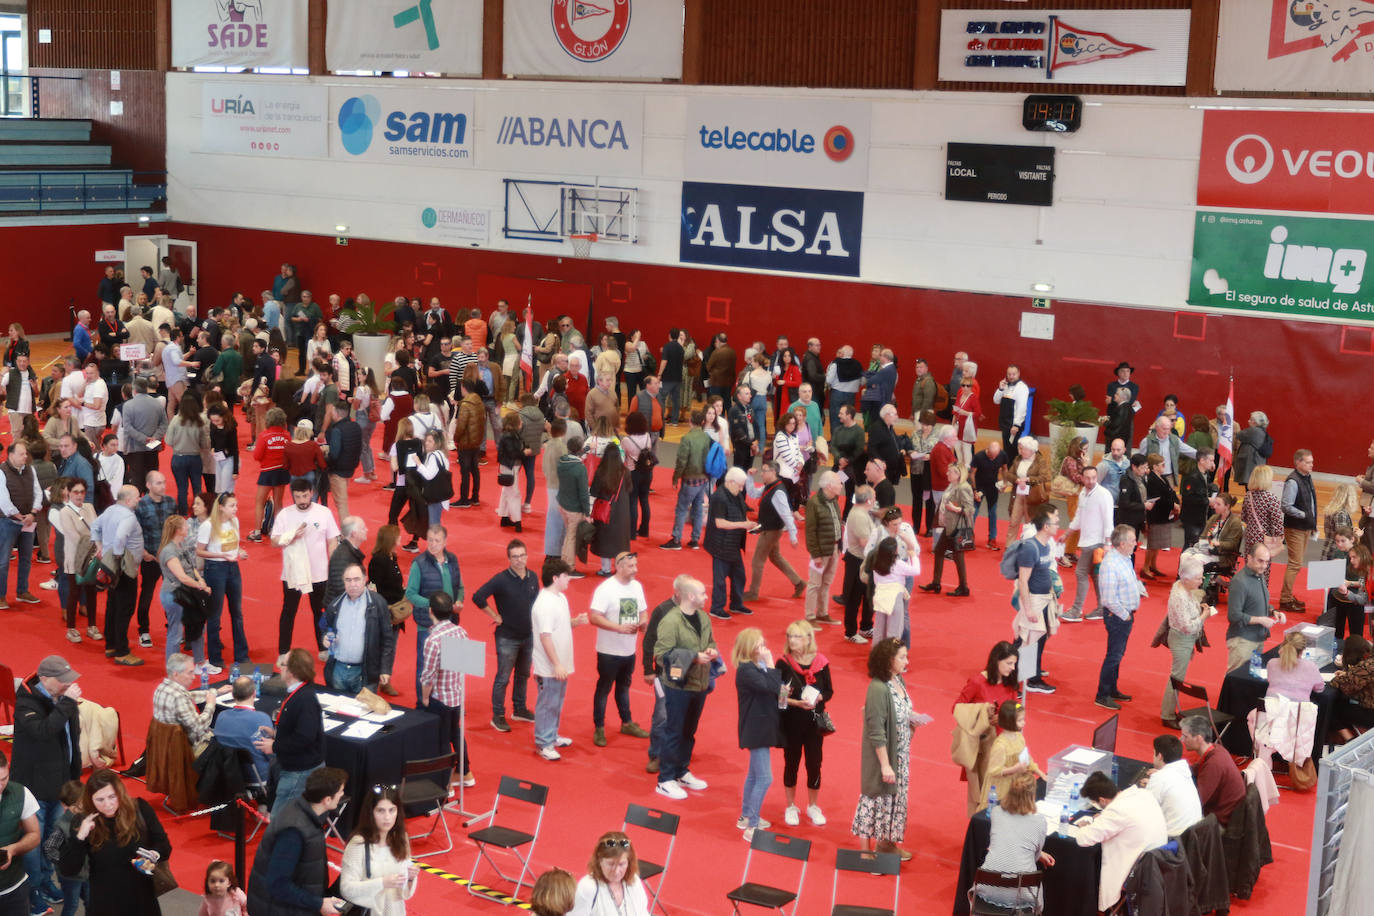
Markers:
point(264, 118)
point(432, 36)
point(1268, 45)
point(563, 134)
point(239, 33)
point(423, 124)
point(806, 144)
point(469, 225)
point(610, 39)
point(1126, 47)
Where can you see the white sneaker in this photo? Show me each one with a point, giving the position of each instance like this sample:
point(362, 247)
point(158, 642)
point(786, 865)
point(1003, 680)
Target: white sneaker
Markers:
point(549, 753)
point(560, 741)
point(748, 834)
point(743, 822)
point(691, 782)
point(817, 816)
point(791, 816)
point(212, 670)
point(671, 789)
point(50, 585)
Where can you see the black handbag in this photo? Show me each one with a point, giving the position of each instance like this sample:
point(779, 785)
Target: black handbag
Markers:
point(963, 538)
point(824, 722)
point(195, 610)
point(439, 488)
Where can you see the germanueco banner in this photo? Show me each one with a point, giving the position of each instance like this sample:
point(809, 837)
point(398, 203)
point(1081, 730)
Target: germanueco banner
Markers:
point(609, 39)
point(429, 36)
point(1315, 46)
point(239, 33)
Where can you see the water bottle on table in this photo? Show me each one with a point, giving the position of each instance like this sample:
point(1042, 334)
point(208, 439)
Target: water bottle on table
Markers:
point(1256, 663)
point(257, 681)
point(234, 673)
point(992, 797)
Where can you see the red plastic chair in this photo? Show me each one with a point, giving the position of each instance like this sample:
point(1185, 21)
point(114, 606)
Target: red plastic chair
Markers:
point(7, 698)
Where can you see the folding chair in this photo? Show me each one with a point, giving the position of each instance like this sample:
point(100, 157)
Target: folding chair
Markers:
point(863, 862)
point(660, 822)
point(256, 788)
point(1013, 880)
point(7, 698)
point(764, 895)
point(508, 838)
point(424, 791)
point(1220, 720)
point(331, 827)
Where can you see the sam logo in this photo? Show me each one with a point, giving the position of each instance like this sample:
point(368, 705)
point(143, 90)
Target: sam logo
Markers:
point(589, 31)
point(235, 106)
point(1343, 268)
point(597, 133)
point(437, 134)
point(240, 25)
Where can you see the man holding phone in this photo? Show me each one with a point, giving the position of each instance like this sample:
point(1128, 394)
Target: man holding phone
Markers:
point(19, 833)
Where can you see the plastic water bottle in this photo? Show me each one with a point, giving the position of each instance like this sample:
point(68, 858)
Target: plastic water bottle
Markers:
point(234, 673)
point(257, 681)
point(1116, 772)
point(204, 679)
point(1256, 663)
point(992, 797)
point(1064, 820)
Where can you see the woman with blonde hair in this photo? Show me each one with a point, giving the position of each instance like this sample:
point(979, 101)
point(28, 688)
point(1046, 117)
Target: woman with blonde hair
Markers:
point(1075, 460)
point(217, 543)
point(1262, 514)
point(18, 344)
point(1016, 844)
point(1340, 512)
point(967, 412)
point(1291, 675)
point(1187, 613)
point(759, 692)
point(611, 886)
point(806, 675)
point(956, 514)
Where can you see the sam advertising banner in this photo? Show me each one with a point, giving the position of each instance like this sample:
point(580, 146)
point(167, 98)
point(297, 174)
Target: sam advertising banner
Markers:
point(1291, 265)
point(561, 133)
point(423, 125)
point(264, 118)
point(431, 36)
point(792, 229)
point(239, 33)
point(1119, 47)
point(1311, 46)
point(1320, 162)
point(607, 39)
point(816, 143)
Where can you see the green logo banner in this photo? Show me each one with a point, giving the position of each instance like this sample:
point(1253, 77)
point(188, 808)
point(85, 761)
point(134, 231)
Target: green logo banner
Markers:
point(1291, 265)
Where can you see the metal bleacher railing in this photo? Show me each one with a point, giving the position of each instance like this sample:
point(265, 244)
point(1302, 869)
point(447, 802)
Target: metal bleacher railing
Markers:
point(80, 190)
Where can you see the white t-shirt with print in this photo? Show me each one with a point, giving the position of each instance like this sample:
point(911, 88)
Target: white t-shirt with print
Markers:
point(618, 604)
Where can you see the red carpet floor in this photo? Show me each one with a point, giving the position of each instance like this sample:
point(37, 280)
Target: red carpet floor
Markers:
point(590, 787)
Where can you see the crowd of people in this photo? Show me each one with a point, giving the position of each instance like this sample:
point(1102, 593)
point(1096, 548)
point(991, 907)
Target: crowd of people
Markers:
point(86, 490)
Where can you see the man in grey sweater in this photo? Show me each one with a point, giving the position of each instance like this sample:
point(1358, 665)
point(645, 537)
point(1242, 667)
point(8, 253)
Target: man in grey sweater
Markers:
point(1247, 609)
point(142, 419)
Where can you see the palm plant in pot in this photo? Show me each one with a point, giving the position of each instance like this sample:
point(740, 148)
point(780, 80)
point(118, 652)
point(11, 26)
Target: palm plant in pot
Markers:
point(1068, 419)
point(371, 327)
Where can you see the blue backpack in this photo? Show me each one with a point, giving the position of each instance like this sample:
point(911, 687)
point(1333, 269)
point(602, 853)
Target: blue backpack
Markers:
point(716, 463)
point(1010, 565)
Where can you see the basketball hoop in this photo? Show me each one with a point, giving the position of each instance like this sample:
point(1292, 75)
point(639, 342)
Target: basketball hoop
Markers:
point(582, 244)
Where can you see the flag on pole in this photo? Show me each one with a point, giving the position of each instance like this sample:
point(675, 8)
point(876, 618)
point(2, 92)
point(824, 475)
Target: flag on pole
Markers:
point(1225, 435)
point(527, 348)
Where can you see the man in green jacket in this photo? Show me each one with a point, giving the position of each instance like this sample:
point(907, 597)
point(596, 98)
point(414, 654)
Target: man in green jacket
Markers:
point(228, 368)
point(684, 631)
point(574, 500)
point(689, 476)
point(823, 527)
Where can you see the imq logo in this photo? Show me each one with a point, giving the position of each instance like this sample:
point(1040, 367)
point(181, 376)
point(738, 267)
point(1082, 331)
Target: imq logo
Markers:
point(437, 134)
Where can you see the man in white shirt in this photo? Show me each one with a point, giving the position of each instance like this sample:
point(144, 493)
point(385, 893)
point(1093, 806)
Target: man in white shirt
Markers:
point(1011, 397)
point(93, 398)
point(619, 613)
point(111, 464)
point(73, 383)
point(1129, 823)
point(307, 534)
point(552, 623)
point(1093, 522)
point(1171, 783)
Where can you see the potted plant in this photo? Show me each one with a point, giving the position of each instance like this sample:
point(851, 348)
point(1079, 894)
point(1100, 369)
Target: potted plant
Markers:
point(371, 328)
point(1068, 419)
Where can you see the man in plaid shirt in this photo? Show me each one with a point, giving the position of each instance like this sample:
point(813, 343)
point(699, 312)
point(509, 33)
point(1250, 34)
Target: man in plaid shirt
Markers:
point(174, 704)
point(440, 690)
point(1120, 592)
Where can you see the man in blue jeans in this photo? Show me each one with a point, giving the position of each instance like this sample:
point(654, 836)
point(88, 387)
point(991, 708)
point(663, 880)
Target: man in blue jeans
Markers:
point(513, 590)
point(685, 649)
point(660, 716)
point(363, 648)
point(689, 476)
point(670, 371)
point(552, 623)
point(1120, 592)
point(20, 499)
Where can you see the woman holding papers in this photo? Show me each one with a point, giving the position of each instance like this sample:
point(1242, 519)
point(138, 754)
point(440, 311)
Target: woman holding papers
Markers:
point(761, 694)
point(806, 674)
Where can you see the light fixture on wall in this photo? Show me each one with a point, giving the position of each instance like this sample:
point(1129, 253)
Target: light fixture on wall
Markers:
point(340, 228)
point(1042, 287)
point(143, 219)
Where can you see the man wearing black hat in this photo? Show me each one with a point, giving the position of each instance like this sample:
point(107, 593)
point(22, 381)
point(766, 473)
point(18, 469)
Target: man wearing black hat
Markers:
point(1124, 370)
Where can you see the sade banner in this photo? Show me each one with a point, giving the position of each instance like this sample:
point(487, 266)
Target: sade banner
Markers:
point(239, 33)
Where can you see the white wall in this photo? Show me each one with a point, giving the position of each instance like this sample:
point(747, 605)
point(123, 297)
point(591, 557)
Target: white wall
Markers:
point(1120, 230)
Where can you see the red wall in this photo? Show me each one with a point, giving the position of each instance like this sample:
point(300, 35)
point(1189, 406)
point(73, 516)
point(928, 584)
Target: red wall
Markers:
point(1277, 364)
point(47, 267)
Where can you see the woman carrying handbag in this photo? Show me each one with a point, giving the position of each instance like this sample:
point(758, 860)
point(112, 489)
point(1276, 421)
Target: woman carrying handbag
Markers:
point(956, 529)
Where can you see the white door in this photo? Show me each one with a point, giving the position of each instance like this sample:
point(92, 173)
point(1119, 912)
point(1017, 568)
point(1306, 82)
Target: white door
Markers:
point(183, 261)
point(141, 251)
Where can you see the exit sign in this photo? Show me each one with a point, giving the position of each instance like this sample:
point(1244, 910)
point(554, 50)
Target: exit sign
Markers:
point(1040, 303)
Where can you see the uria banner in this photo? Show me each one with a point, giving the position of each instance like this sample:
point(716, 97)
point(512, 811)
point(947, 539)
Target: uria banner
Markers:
point(239, 33)
point(430, 36)
point(609, 39)
point(264, 118)
point(1313, 46)
point(1124, 47)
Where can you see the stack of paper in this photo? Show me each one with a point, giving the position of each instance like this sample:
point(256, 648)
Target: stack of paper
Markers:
point(361, 729)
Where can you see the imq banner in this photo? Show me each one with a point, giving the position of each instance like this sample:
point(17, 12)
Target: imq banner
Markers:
point(1310, 46)
point(239, 33)
point(1291, 265)
point(264, 118)
point(431, 36)
point(608, 39)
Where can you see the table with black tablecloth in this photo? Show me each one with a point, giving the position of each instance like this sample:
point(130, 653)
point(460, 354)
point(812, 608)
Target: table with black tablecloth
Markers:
point(1242, 692)
point(1070, 887)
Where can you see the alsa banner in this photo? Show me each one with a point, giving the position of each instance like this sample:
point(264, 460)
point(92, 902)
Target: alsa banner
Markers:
point(424, 125)
point(1307, 46)
point(814, 143)
point(609, 39)
point(264, 118)
point(1321, 162)
point(430, 36)
point(1118, 47)
point(1294, 265)
point(239, 33)
point(561, 133)
point(793, 229)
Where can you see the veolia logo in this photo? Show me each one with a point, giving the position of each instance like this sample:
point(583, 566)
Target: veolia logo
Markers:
point(1242, 165)
point(357, 117)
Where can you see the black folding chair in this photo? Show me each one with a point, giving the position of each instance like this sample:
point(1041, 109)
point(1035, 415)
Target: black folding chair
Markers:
point(659, 822)
point(424, 791)
point(765, 895)
point(1220, 720)
point(1012, 880)
point(507, 838)
point(864, 862)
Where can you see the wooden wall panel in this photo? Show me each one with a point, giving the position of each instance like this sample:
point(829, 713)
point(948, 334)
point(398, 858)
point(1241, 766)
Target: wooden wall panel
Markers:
point(138, 137)
point(104, 34)
point(857, 44)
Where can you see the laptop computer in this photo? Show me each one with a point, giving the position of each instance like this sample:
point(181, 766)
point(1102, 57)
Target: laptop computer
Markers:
point(1104, 736)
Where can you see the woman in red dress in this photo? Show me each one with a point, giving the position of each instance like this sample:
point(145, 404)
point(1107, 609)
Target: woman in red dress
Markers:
point(789, 380)
point(991, 687)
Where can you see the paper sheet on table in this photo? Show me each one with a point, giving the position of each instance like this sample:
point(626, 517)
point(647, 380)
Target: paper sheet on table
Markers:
point(1084, 756)
point(346, 706)
point(361, 729)
point(1328, 675)
point(331, 724)
point(384, 716)
point(1262, 674)
point(1050, 811)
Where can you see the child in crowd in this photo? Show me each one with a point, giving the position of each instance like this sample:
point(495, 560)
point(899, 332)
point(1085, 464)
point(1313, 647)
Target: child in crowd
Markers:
point(223, 896)
point(76, 891)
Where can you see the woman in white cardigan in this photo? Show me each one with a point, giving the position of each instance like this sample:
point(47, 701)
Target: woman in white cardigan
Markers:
point(377, 872)
point(611, 886)
point(787, 452)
